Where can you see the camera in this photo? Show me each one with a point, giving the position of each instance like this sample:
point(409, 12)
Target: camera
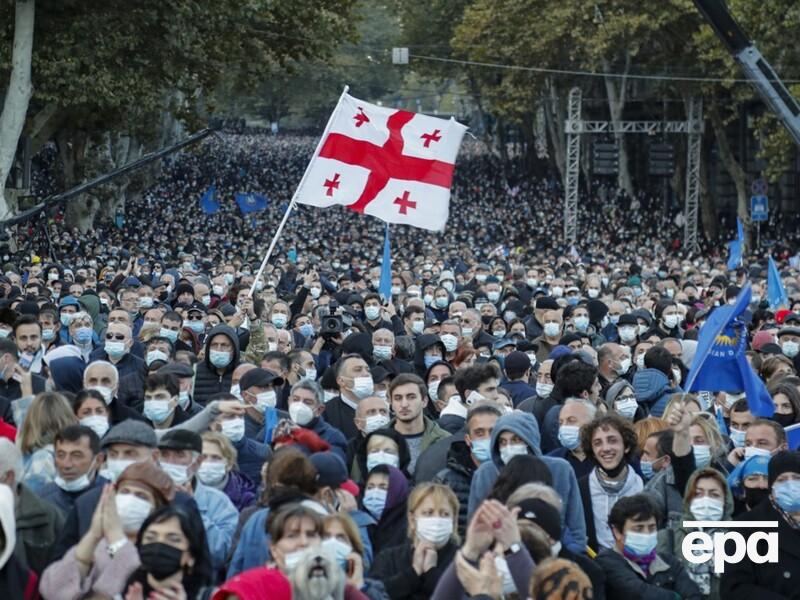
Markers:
point(335, 324)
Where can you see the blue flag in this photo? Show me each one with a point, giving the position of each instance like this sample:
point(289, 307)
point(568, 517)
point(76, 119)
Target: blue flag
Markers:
point(723, 427)
point(249, 203)
point(776, 294)
point(385, 287)
point(735, 247)
point(720, 362)
point(793, 436)
point(208, 201)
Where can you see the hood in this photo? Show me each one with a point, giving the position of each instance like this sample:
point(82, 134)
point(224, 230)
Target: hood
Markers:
point(7, 523)
point(423, 342)
point(689, 496)
point(524, 425)
point(398, 489)
point(91, 304)
point(67, 373)
point(649, 385)
point(231, 335)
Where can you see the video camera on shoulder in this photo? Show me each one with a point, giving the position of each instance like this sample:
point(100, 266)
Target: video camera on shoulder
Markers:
point(334, 324)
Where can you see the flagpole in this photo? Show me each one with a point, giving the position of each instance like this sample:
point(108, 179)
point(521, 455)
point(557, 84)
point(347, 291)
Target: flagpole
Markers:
point(296, 193)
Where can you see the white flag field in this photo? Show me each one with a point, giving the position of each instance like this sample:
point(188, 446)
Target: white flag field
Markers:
point(392, 164)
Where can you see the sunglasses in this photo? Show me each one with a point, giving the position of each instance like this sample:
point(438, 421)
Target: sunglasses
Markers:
point(118, 336)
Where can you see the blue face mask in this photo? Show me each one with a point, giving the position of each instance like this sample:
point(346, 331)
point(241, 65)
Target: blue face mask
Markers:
point(787, 495)
point(640, 544)
point(196, 326)
point(431, 360)
point(307, 330)
point(573, 300)
point(375, 501)
point(569, 436)
point(647, 469)
point(219, 358)
point(482, 449)
point(737, 437)
point(171, 335)
point(83, 335)
point(702, 455)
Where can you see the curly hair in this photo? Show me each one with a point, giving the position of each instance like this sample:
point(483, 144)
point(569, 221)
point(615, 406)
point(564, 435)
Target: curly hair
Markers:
point(613, 420)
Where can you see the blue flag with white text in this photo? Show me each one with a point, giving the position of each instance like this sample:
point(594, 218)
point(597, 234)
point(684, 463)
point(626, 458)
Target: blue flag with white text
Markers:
point(720, 362)
point(208, 201)
point(249, 203)
point(776, 293)
point(385, 287)
point(736, 246)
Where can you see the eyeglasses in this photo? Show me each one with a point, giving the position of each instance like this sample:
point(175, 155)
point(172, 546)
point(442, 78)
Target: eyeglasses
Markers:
point(118, 336)
point(194, 317)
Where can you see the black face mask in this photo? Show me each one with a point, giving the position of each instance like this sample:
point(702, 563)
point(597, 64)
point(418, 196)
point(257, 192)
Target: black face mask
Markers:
point(783, 420)
point(754, 496)
point(160, 560)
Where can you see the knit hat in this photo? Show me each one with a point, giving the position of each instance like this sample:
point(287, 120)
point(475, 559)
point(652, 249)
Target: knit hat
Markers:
point(544, 514)
point(148, 475)
point(755, 465)
point(783, 462)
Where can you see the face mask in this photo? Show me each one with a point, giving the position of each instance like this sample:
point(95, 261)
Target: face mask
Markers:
point(66, 319)
point(427, 299)
point(643, 329)
point(362, 387)
point(671, 321)
point(83, 336)
point(532, 282)
point(160, 560)
point(640, 544)
point(228, 278)
point(97, 423)
point(433, 388)
point(624, 365)
point(375, 501)
point(217, 290)
point(418, 327)
point(76, 485)
point(676, 375)
point(211, 472)
point(272, 346)
point(551, 329)
point(178, 473)
point(511, 450)
point(737, 437)
point(569, 436)
point(627, 334)
point(499, 334)
point(647, 469)
point(341, 550)
point(581, 323)
point(481, 449)
point(702, 455)
point(132, 511)
point(436, 530)
point(145, 302)
point(233, 429)
point(573, 300)
point(382, 458)
point(480, 278)
point(493, 297)
point(626, 408)
point(613, 319)
point(206, 300)
point(543, 390)
point(372, 312)
point(157, 411)
point(183, 399)
point(754, 496)
point(557, 291)
point(382, 352)
point(375, 422)
point(155, 355)
point(509, 587)
point(467, 332)
point(172, 336)
point(315, 292)
point(307, 330)
point(219, 358)
point(787, 495)
point(448, 285)
point(197, 326)
point(752, 451)
point(593, 292)
point(279, 320)
point(783, 420)
point(640, 361)
point(265, 400)
point(301, 413)
point(429, 361)
point(707, 509)
point(450, 342)
point(115, 350)
point(790, 349)
point(442, 302)
point(106, 392)
point(48, 335)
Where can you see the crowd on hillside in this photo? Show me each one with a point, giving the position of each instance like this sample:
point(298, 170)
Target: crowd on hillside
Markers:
point(512, 422)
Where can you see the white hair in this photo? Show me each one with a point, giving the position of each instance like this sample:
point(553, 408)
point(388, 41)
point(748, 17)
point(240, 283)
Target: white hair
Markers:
point(102, 363)
point(82, 316)
point(10, 459)
point(590, 406)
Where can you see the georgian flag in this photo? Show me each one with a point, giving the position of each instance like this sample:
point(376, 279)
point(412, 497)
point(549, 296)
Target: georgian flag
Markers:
point(392, 164)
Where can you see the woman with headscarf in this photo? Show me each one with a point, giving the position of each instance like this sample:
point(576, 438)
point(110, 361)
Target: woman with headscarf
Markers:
point(384, 498)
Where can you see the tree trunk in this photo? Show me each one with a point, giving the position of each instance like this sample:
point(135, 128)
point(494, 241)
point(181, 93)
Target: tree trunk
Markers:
point(555, 115)
point(708, 207)
point(616, 91)
point(18, 94)
point(735, 170)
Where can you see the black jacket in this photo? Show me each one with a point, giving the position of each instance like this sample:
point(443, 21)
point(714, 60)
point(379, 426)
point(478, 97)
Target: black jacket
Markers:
point(393, 568)
point(390, 530)
point(341, 416)
point(458, 477)
point(768, 581)
point(623, 582)
point(207, 381)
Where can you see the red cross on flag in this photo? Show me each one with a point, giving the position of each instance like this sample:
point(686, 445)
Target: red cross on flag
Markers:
point(388, 163)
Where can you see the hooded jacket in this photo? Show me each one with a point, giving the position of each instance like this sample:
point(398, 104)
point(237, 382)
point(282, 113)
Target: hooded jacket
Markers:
point(391, 528)
point(458, 476)
point(653, 390)
point(670, 540)
point(207, 381)
point(424, 342)
point(524, 425)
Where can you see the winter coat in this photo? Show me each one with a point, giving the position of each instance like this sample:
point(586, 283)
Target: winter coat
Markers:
point(666, 578)
point(519, 390)
point(66, 500)
point(341, 416)
point(652, 389)
point(331, 435)
point(633, 485)
point(219, 520)
point(38, 525)
point(240, 489)
point(423, 342)
point(207, 380)
point(458, 477)
point(393, 568)
point(747, 580)
point(129, 364)
point(250, 457)
point(564, 481)
point(434, 459)
point(670, 539)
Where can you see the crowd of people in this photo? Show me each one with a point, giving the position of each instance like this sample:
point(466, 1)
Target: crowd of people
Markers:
point(513, 422)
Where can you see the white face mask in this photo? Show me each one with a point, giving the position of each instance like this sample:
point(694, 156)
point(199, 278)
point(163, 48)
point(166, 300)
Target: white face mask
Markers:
point(707, 509)
point(362, 387)
point(178, 473)
point(301, 413)
point(375, 422)
point(132, 511)
point(106, 392)
point(265, 400)
point(543, 390)
point(115, 467)
point(671, 321)
point(751, 451)
point(640, 361)
point(511, 450)
point(76, 485)
point(212, 472)
point(382, 458)
point(624, 365)
point(97, 423)
point(509, 587)
point(436, 530)
point(627, 333)
point(450, 342)
point(233, 429)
